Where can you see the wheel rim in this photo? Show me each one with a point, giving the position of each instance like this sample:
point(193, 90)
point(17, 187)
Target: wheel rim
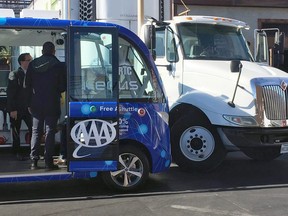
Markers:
point(130, 170)
point(197, 143)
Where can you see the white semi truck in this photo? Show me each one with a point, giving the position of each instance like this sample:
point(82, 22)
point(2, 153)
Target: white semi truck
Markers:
point(220, 98)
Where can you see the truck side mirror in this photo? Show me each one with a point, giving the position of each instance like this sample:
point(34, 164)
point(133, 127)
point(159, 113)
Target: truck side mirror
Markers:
point(235, 66)
point(149, 36)
point(261, 49)
point(276, 38)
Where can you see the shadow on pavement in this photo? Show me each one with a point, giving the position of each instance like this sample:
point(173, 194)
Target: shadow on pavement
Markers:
point(237, 172)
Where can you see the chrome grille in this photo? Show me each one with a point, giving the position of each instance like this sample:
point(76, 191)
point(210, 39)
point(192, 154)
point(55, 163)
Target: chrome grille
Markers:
point(275, 102)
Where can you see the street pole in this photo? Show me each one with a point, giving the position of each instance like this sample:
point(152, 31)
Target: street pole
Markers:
point(140, 16)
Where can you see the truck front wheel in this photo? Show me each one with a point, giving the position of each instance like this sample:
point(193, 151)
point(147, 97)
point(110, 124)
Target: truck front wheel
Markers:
point(196, 145)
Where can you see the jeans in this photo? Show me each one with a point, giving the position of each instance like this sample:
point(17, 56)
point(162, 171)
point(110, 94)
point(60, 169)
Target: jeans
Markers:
point(37, 133)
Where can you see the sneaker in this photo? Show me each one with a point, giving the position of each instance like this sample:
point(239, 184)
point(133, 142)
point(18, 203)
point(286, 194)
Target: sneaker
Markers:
point(60, 161)
point(51, 167)
point(34, 165)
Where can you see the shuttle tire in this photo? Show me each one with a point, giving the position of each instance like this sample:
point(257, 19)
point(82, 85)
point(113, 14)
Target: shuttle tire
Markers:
point(132, 172)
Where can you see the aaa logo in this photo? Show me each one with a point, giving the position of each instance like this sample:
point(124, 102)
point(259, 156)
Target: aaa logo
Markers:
point(92, 133)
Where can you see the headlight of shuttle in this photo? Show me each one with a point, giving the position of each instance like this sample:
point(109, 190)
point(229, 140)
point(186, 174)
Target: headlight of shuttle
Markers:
point(245, 121)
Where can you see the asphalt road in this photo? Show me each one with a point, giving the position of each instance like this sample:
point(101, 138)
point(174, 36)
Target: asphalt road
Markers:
point(239, 187)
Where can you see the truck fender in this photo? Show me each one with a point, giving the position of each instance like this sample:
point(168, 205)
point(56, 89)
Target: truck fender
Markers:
point(213, 107)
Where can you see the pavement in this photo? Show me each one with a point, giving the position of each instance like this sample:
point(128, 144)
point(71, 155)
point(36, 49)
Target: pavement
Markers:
point(239, 187)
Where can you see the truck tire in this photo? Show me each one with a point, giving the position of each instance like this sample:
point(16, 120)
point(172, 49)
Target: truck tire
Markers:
point(196, 145)
point(133, 170)
point(262, 154)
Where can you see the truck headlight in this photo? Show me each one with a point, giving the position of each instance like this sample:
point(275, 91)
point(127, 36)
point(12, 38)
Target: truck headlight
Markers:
point(245, 121)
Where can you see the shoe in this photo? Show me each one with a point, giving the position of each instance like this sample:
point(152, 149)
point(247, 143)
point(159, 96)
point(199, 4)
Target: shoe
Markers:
point(34, 165)
point(60, 161)
point(51, 167)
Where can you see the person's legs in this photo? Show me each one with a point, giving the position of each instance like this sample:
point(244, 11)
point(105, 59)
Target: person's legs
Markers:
point(27, 118)
point(15, 130)
point(62, 158)
point(37, 131)
point(51, 129)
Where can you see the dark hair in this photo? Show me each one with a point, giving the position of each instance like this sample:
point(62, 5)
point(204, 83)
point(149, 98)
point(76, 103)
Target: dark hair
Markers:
point(22, 57)
point(48, 48)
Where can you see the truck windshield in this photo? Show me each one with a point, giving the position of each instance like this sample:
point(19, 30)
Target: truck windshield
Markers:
point(213, 42)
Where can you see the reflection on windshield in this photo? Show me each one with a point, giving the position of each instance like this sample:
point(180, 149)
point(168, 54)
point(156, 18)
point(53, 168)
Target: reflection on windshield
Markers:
point(213, 42)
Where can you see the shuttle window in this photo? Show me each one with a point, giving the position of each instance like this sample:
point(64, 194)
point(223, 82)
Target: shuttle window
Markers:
point(136, 80)
point(93, 77)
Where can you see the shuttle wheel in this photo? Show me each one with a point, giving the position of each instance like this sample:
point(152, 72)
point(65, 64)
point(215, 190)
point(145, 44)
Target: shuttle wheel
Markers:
point(133, 170)
point(196, 145)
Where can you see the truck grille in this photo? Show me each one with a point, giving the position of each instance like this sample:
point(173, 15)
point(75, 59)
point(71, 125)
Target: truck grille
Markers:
point(275, 102)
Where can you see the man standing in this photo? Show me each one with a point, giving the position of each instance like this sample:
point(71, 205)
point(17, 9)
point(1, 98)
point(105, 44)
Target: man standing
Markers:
point(45, 80)
point(17, 105)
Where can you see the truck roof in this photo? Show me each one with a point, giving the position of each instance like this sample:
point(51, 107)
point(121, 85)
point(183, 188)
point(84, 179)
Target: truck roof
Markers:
point(211, 20)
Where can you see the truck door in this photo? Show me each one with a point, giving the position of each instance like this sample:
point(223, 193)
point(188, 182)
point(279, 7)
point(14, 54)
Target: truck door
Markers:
point(168, 62)
point(92, 99)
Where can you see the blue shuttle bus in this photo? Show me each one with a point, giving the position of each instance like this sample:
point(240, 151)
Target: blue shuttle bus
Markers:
point(115, 108)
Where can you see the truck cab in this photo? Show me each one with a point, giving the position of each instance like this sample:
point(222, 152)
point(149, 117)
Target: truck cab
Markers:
point(220, 98)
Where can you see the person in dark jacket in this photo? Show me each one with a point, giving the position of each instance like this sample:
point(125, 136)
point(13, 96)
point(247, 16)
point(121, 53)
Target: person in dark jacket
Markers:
point(17, 106)
point(45, 80)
